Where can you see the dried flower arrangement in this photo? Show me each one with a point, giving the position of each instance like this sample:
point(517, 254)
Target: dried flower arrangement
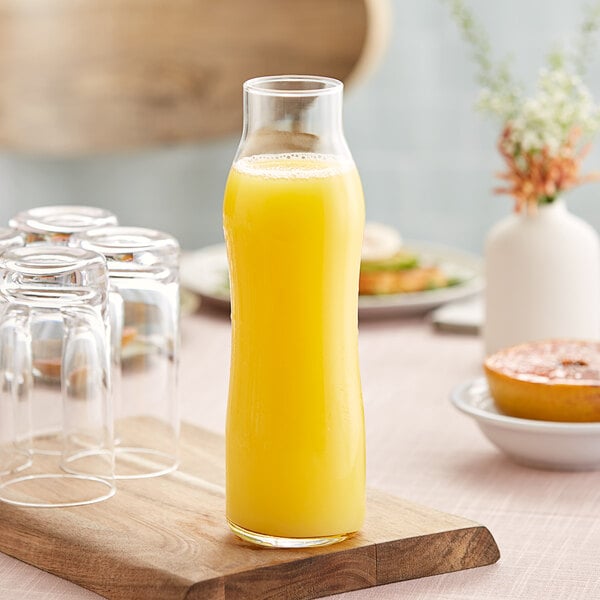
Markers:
point(546, 136)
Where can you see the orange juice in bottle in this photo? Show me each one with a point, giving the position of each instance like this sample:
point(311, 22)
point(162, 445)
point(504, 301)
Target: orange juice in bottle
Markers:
point(293, 219)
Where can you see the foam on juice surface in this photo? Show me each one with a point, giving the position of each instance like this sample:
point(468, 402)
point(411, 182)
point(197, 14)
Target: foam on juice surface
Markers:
point(293, 165)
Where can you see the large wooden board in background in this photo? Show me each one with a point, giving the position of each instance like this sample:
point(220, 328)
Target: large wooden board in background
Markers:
point(103, 75)
point(166, 539)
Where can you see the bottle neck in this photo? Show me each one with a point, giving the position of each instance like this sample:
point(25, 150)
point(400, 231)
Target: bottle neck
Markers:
point(293, 115)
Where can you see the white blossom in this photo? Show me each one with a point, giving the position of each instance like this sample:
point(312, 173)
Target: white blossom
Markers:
point(561, 103)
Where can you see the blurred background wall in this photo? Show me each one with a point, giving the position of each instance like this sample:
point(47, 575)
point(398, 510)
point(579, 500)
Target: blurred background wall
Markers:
point(426, 158)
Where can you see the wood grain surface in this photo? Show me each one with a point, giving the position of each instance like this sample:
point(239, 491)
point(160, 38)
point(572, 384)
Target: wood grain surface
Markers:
point(167, 539)
point(103, 75)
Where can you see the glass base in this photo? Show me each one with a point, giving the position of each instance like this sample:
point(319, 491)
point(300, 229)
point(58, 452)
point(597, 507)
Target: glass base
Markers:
point(55, 491)
point(272, 541)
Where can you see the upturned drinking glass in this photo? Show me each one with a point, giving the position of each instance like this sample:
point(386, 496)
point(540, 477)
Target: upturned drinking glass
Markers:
point(293, 218)
point(56, 225)
point(144, 275)
point(56, 422)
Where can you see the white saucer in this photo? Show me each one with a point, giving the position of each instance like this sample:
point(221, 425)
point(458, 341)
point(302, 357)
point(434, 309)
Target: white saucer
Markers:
point(542, 444)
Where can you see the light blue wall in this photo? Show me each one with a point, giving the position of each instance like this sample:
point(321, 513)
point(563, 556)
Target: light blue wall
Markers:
point(426, 158)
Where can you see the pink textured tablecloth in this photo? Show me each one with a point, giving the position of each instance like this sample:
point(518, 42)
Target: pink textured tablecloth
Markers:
point(547, 524)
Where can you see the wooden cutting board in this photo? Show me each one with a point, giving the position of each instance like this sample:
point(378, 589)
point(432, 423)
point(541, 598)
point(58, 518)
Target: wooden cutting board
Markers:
point(105, 75)
point(167, 539)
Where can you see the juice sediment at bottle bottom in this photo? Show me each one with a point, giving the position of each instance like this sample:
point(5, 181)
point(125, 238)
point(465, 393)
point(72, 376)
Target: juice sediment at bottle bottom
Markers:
point(295, 430)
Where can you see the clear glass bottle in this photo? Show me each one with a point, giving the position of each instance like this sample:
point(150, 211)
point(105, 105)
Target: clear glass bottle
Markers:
point(293, 220)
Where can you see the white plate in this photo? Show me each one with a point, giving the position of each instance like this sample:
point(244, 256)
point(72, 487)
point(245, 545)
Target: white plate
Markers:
point(205, 273)
point(541, 444)
point(455, 263)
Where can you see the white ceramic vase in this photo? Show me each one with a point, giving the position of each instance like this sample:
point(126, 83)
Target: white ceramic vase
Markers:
point(542, 275)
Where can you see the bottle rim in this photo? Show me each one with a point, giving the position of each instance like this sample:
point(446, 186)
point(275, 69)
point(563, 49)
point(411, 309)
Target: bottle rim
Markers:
point(293, 85)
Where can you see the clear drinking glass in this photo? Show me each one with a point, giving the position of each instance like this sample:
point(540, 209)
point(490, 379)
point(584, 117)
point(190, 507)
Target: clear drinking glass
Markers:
point(56, 224)
point(66, 459)
point(293, 219)
point(144, 274)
